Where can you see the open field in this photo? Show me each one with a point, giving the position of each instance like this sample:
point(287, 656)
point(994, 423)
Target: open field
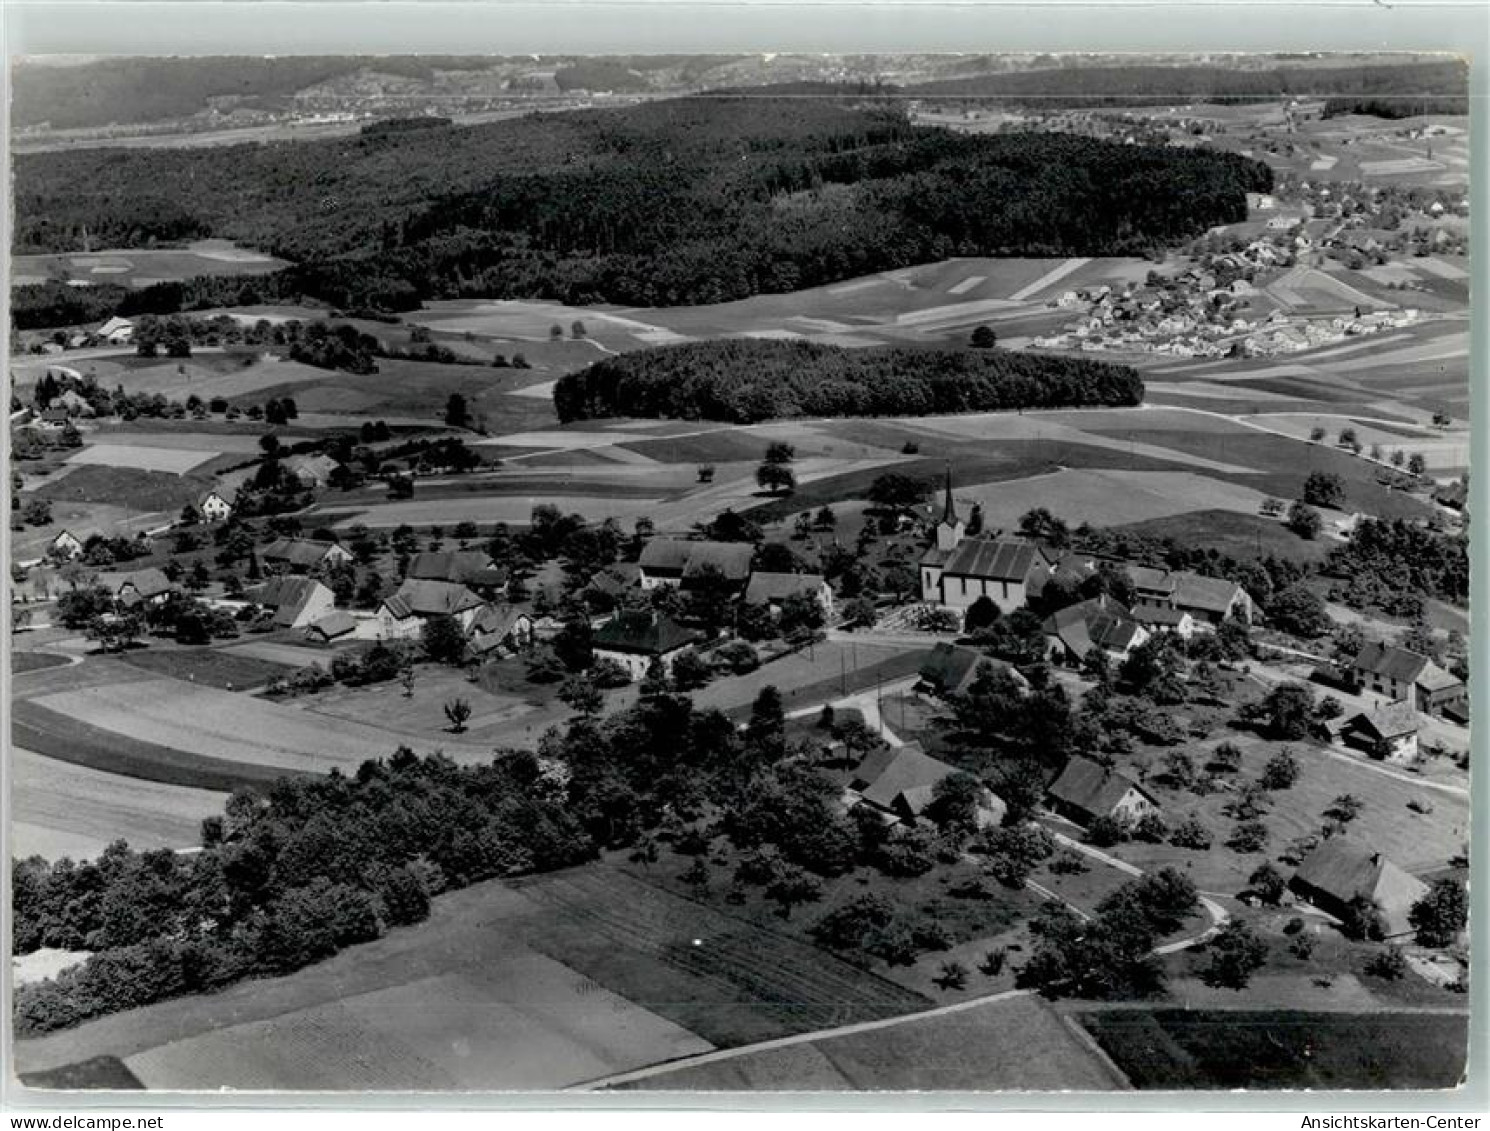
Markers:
point(140, 267)
point(173, 461)
point(1182, 1049)
point(233, 728)
point(1238, 535)
point(206, 667)
point(1014, 1044)
point(459, 1002)
point(422, 714)
point(244, 442)
point(23, 662)
point(59, 809)
point(1107, 497)
point(730, 981)
point(124, 488)
point(1415, 841)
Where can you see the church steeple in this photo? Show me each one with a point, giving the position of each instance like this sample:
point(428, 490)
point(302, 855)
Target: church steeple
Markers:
point(950, 530)
point(949, 509)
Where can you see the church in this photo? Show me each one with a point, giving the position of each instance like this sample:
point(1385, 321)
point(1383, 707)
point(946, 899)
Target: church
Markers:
point(961, 568)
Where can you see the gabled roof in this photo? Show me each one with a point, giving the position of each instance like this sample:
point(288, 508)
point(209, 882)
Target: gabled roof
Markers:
point(617, 578)
point(397, 607)
point(464, 566)
point(1391, 662)
point(316, 466)
point(1188, 590)
point(643, 631)
point(227, 492)
point(1343, 868)
point(287, 596)
point(1391, 721)
point(1099, 622)
point(779, 586)
point(873, 764)
point(1159, 615)
point(952, 667)
point(1093, 788)
point(437, 598)
point(334, 624)
point(1434, 678)
point(149, 582)
point(677, 555)
point(732, 559)
point(304, 552)
point(492, 621)
point(907, 769)
point(994, 559)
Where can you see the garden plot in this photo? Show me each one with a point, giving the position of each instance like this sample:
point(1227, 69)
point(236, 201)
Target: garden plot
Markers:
point(234, 728)
point(174, 461)
point(61, 809)
point(422, 713)
point(1107, 497)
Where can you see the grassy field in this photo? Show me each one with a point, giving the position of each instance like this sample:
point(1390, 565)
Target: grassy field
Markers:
point(1188, 1049)
point(101, 1073)
point(459, 1002)
point(66, 739)
point(1241, 536)
point(238, 730)
point(1109, 497)
point(716, 974)
point(126, 488)
point(61, 809)
point(23, 662)
point(173, 461)
point(1015, 1044)
point(208, 667)
point(422, 713)
point(140, 267)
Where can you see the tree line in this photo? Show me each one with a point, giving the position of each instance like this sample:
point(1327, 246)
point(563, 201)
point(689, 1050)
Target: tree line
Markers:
point(748, 380)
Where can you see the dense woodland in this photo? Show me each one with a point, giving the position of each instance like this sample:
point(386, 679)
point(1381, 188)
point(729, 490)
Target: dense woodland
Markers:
point(746, 380)
point(1446, 81)
point(685, 201)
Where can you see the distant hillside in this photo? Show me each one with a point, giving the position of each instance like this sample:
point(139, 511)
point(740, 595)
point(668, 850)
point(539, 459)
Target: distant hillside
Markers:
point(664, 203)
point(1133, 85)
point(745, 380)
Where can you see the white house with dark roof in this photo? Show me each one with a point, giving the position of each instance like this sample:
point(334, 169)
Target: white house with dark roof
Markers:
point(1100, 623)
point(498, 632)
point(1208, 600)
point(66, 545)
point(425, 599)
point(634, 638)
point(1087, 790)
point(217, 504)
point(901, 782)
point(1408, 676)
point(1342, 869)
point(301, 555)
point(1389, 732)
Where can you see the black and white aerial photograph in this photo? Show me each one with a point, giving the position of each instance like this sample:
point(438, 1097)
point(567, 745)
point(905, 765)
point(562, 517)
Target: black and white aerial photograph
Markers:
point(741, 573)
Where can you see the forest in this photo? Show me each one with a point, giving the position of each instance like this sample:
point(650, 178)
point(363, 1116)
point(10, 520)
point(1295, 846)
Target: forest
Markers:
point(676, 202)
point(748, 380)
point(1447, 81)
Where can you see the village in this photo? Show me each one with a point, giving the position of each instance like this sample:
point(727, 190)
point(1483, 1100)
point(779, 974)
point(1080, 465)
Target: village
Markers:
point(1073, 718)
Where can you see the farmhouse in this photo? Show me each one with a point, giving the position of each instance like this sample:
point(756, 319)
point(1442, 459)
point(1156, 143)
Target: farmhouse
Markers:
point(612, 583)
point(117, 330)
point(672, 561)
point(951, 669)
point(634, 638)
point(332, 626)
point(1342, 869)
point(64, 545)
point(311, 471)
point(298, 602)
point(774, 588)
point(1156, 618)
point(1208, 600)
point(396, 620)
point(136, 587)
point(1407, 676)
point(1100, 622)
point(1389, 733)
point(217, 505)
point(471, 568)
point(1086, 790)
point(301, 555)
point(901, 781)
point(439, 599)
point(499, 632)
